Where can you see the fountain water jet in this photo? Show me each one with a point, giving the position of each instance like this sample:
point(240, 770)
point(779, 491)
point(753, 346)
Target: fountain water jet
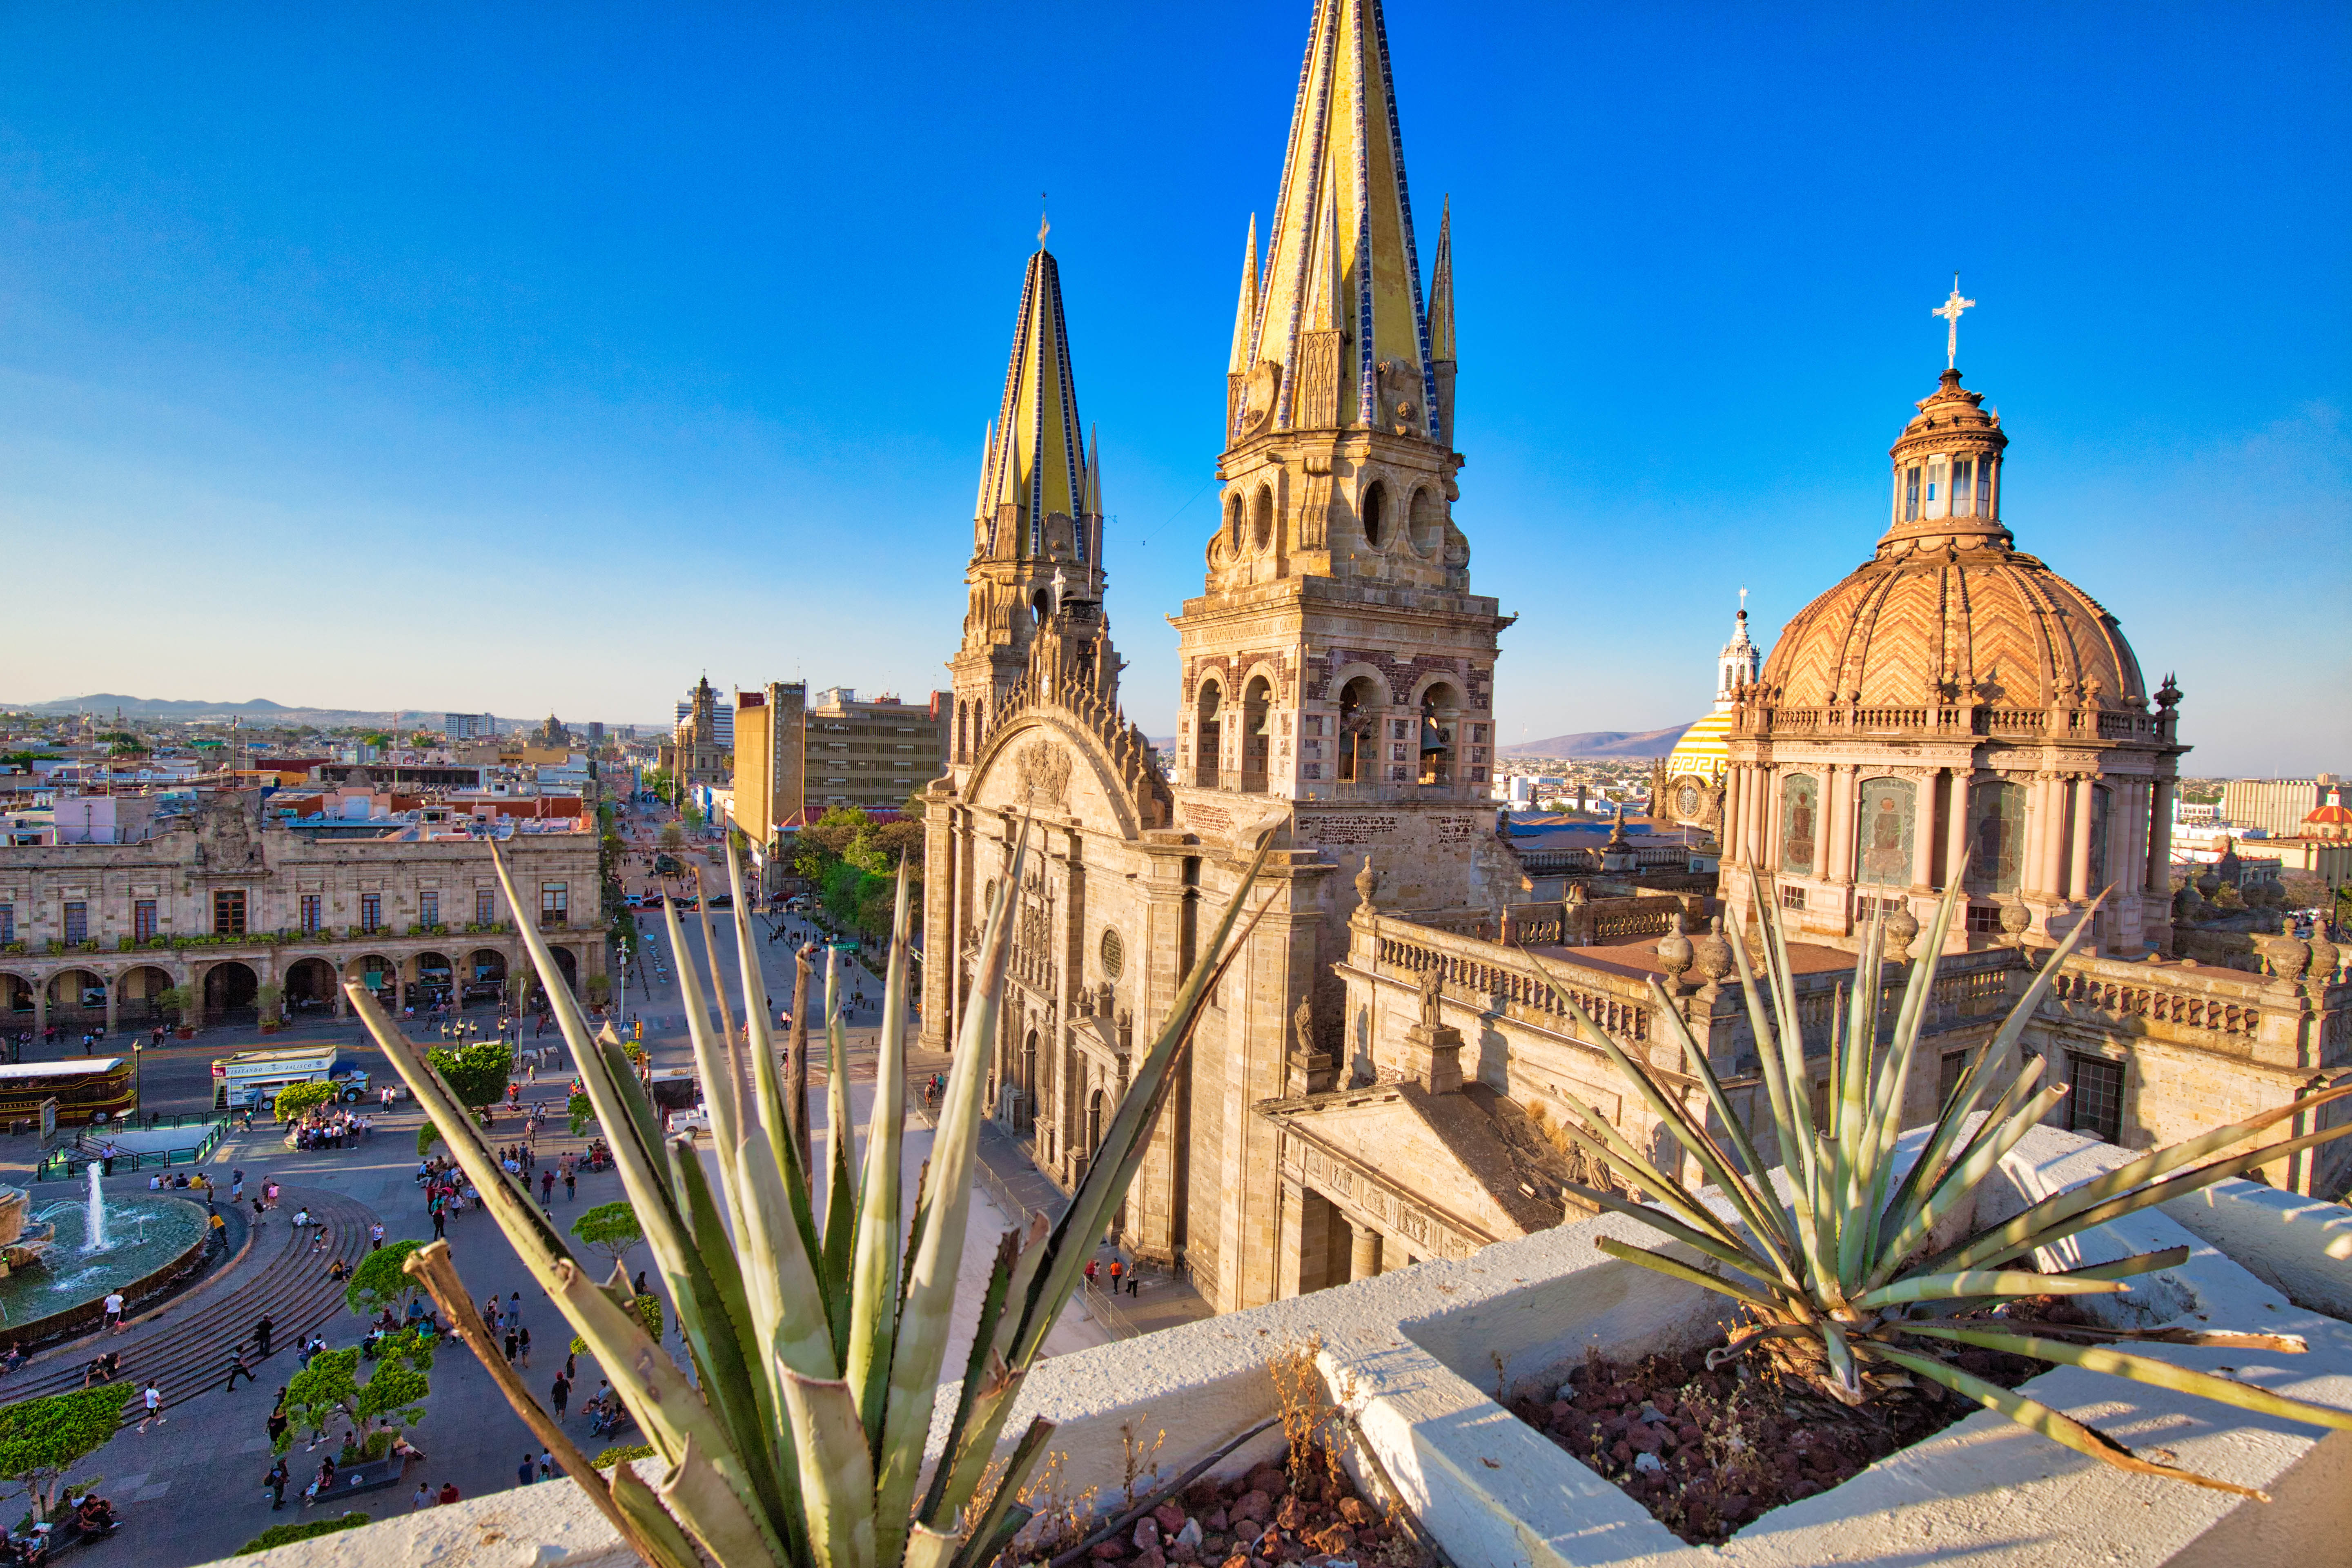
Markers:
point(94, 1229)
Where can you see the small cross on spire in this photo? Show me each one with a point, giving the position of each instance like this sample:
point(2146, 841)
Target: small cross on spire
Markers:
point(1045, 227)
point(1950, 310)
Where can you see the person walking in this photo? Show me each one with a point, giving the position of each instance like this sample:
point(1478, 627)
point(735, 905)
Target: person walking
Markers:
point(523, 1346)
point(274, 1483)
point(375, 1237)
point(559, 1392)
point(237, 1187)
point(546, 1465)
point(261, 1332)
point(514, 1308)
point(447, 1494)
point(277, 1423)
point(421, 1498)
point(510, 1343)
point(154, 1398)
point(546, 1186)
point(114, 1311)
point(571, 1182)
point(1117, 1270)
point(439, 1220)
point(523, 1471)
point(239, 1367)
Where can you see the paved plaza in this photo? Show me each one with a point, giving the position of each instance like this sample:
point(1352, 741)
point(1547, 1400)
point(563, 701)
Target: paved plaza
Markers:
point(191, 1489)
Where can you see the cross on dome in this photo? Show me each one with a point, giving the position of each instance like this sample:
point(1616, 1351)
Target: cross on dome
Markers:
point(1950, 310)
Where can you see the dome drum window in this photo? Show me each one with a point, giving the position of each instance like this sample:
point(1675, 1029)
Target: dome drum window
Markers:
point(1883, 856)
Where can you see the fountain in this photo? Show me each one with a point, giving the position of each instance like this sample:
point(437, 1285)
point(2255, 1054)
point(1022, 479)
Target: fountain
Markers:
point(56, 1263)
point(93, 1230)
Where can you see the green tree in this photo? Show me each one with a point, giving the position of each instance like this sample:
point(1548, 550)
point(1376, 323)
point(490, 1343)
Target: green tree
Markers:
point(611, 1228)
point(582, 1111)
point(297, 1098)
point(42, 1439)
point(477, 1073)
point(380, 1282)
point(287, 1534)
point(673, 836)
point(328, 1392)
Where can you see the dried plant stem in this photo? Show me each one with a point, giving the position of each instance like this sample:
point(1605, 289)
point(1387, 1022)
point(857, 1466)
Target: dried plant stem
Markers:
point(431, 1264)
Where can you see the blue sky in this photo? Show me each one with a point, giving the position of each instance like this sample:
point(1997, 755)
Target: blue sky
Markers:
point(518, 358)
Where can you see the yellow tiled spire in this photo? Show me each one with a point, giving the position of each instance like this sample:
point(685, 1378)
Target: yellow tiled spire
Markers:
point(1441, 288)
point(1344, 211)
point(1245, 313)
point(1036, 469)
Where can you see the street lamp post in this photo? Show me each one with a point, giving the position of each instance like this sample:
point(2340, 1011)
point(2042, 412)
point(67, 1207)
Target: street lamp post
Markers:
point(138, 1073)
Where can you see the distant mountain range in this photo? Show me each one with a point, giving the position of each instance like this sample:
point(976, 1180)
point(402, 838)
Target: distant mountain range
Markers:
point(259, 708)
point(1600, 744)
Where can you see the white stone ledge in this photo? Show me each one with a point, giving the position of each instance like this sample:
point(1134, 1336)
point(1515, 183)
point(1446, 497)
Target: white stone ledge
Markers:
point(1424, 1351)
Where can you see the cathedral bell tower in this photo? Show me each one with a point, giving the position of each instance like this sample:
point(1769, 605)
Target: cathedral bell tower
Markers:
point(1036, 548)
point(1337, 654)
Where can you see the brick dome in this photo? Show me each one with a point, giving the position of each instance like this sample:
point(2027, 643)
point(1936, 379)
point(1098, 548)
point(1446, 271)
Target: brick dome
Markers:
point(1949, 610)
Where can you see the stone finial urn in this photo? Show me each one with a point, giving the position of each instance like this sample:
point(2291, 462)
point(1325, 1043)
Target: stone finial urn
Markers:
point(1675, 953)
point(1713, 957)
point(2014, 918)
point(1902, 930)
point(2325, 957)
point(1368, 882)
point(2283, 956)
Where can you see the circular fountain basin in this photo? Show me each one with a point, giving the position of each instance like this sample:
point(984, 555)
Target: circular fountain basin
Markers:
point(150, 1241)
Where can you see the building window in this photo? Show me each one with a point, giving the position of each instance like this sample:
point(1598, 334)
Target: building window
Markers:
point(486, 907)
point(1984, 919)
point(1961, 469)
point(2101, 811)
point(77, 922)
point(428, 908)
point(1948, 1076)
point(1996, 836)
point(1312, 770)
point(142, 920)
point(1801, 795)
point(2097, 1106)
point(1884, 855)
point(1911, 496)
point(229, 911)
point(1793, 898)
point(7, 923)
point(554, 903)
point(1984, 487)
point(312, 913)
point(371, 912)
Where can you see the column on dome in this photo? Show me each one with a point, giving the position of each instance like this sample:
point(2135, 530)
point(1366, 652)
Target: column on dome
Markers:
point(1955, 826)
point(1923, 828)
point(2079, 879)
point(2049, 857)
point(1837, 817)
point(2160, 841)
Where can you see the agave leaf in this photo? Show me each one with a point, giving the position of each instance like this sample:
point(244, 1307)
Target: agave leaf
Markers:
point(874, 1279)
point(799, 1334)
point(840, 1160)
point(929, 1548)
point(2148, 1197)
point(2145, 1369)
point(1754, 1193)
point(837, 1472)
point(1844, 1381)
point(1777, 1094)
point(740, 1390)
point(1886, 1109)
point(932, 1277)
point(936, 1506)
point(984, 1530)
point(1034, 1249)
point(655, 1536)
point(1673, 1269)
point(1984, 1283)
point(2125, 1267)
point(1600, 1140)
point(2147, 1168)
point(2009, 1123)
point(796, 1095)
point(1698, 1241)
point(765, 1104)
point(2036, 1417)
point(739, 1077)
point(700, 1494)
point(2204, 1339)
point(983, 1550)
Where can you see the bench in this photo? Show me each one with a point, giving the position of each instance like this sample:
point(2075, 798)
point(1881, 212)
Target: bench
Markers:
point(367, 1476)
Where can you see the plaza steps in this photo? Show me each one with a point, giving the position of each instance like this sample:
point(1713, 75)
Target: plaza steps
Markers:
point(185, 1344)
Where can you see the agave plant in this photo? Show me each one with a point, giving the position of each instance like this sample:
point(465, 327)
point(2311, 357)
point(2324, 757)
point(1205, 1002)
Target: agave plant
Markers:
point(813, 1302)
point(1841, 1254)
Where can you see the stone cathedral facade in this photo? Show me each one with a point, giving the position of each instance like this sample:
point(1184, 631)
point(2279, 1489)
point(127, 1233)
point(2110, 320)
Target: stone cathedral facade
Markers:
point(1380, 1077)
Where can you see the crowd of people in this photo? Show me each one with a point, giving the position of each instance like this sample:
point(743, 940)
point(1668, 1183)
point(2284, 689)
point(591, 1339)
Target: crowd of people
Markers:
point(325, 1129)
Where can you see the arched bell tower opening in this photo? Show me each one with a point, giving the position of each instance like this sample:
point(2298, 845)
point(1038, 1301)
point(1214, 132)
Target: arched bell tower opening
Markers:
point(1441, 715)
point(1258, 736)
point(1361, 708)
point(1208, 735)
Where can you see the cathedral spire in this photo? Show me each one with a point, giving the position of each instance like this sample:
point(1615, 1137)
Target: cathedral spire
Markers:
point(1441, 288)
point(1033, 492)
point(1245, 312)
point(1344, 210)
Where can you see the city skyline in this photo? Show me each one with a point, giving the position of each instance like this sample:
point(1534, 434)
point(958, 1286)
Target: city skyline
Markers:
point(526, 332)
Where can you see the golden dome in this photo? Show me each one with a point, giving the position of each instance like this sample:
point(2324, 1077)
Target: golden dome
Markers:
point(1947, 611)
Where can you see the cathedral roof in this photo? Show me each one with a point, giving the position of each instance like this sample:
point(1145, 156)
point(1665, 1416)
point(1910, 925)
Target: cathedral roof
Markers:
point(1036, 466)
point(1702, 750)
point(1341, 255)
point(1948, 611)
